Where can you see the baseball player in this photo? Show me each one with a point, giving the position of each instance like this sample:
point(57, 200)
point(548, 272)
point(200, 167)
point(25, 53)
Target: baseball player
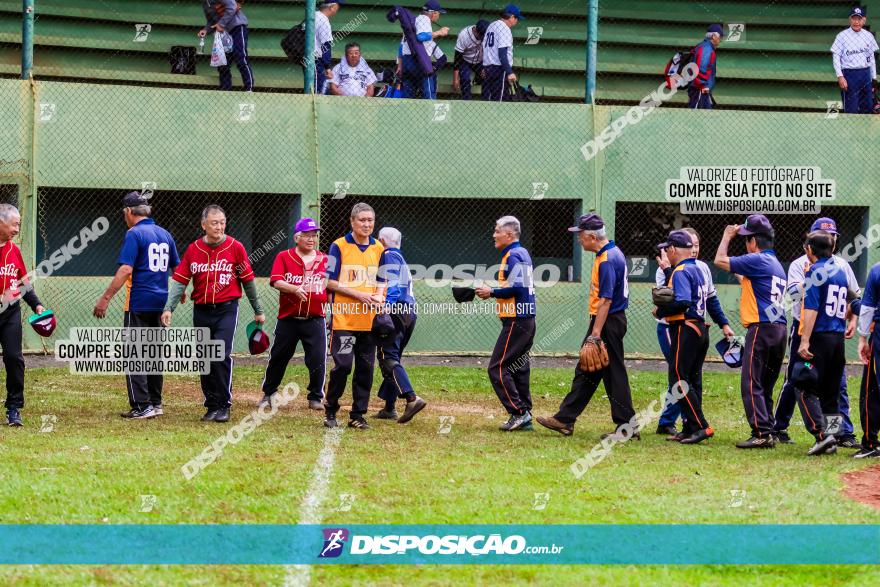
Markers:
point(822, 327)
point(323, 44)
point(498, 55)
point(609, 299)
point(700, 89)
point(468, 61)
point(352, 76)
point(226, 16)
point(219, 269)
point(12, 276)
point(869, 352)
point(853, 57)
point(145, 263)
point(396, 282)
point(300, 276)
point(763, 286)
point(352, 269)
point(666, 425)
point(788, 396)
point(515, 306)
point(689, 335)
point(415, 83)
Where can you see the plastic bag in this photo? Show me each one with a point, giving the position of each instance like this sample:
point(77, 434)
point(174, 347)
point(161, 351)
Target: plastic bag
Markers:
point(218, 55)
point(228, 43)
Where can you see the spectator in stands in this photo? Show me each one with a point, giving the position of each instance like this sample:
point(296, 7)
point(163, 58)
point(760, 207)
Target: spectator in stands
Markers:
point(415, 83)
point(352, 76)
point(323, 44)
point(226, 16)
point(498, 55)
point(853, 56)
point(468, 61)
point(700, 89)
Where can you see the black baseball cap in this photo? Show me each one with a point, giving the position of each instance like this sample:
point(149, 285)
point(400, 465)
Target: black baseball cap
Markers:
point(858, 11)
point(482, 25)
point(588, 222)
point(677, 238)
point(133, 199)
point(756, 224)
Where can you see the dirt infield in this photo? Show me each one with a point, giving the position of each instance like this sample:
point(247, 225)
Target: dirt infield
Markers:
point(863, 486)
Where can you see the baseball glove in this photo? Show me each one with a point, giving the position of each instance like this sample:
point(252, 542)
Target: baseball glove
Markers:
point(662, 296)
point(594, 355)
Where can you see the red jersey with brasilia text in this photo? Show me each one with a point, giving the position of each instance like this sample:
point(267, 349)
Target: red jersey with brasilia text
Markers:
point(12, 271)
point(214, 271)
point(289, 267)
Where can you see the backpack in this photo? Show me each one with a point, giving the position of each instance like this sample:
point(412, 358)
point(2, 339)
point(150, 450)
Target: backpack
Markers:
point(183, 60)
point(294, 43)
point(521, 94)
point(676, 65)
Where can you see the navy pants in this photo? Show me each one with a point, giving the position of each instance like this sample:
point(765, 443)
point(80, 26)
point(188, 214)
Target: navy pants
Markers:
point(221, 320)
point(689, 341)
point(495, 84)
point(869, 396)
point(859, 97)
point(13, 359)
point(673, 409)
point(788, 395)
point(699, 100)
point(415, 83)
point(143, 390)
point(240, 55)
point(395, 381)
point(829, 359)
point(288, 333)
point(351, 349)
point(466, 73)
point(510, 365)
point(320, 80)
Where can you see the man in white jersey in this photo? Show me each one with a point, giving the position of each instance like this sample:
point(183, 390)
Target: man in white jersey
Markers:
point(853, 56)
point(468, 61)
point(323, 44)
point(352, 76)
point(788, 394)
point(498, 55)
point(415, 83)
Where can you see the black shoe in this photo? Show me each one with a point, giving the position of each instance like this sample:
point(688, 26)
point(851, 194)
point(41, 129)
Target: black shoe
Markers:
point(698, 436)
point(618, 436)
point(667, 430)
point(412, 408)
point(867, 453)
point(13, 417)
point(315, 405)
point(144, 414)
point(266, 401)
point(824, 446)
point(209, 416)
point(358, 423)
point(221, 415)
point(555, 425)
point(757, 442)
point(849, 442)
point(677, 437)
point(386, 414)
point(330, 421)
point(782, 437)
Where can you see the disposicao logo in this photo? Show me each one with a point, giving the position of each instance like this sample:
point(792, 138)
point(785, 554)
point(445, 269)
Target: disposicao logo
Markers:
point(334, 540)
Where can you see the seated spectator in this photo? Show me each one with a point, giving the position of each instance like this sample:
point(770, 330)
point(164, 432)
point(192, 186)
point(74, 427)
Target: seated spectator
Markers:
point(352, 76)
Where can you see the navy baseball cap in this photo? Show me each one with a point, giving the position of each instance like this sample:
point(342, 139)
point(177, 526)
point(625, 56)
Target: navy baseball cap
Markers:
point(433, 6)
point(678, 238)
point(826, 224)
point(329, 2)
point(804, 375)
point(730, 350)
point(858, 11)
point(588, 222)
point(715, 28)
point(756, 224)
point(133, 199)
point(513, 10)
point(482, 25)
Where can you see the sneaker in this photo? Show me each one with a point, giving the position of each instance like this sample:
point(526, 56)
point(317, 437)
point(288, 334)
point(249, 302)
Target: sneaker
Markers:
point(358, 423)
point(849, 442)
point(384, 414)
point(266, 401)
point(698, 436)
point(824, 446)
point(13, 417)
point(618, 436)
point(527, 427)
point(158, 409)
point(412, 408)
point(555, 425)
point(209, 416)
point(516, 421)
point(330, 421)
point(221, 415)
point(782, 437)
point(145, 414)
point(867, 453)
point(757, 442)
point(315, 405)
point(667, 430)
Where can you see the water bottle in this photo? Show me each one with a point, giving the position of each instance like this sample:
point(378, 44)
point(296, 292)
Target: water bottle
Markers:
point(202, 46)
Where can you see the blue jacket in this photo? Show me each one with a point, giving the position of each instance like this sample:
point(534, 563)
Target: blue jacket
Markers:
point(704, 57)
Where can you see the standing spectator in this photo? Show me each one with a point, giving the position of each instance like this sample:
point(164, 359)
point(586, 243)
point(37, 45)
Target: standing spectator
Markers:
point(700, 89)
point(323, 44)
point(12, 277)
point(515, 298)
point(226, 16)
point(145, 263)
point(853, 56)
point(219, 269)
point(468, 61)
point(352, 76)
point(415, 83)
point(498, 55)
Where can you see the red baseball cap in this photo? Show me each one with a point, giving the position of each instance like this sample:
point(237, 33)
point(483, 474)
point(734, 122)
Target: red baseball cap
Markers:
point(44, 324)
point(258, 340)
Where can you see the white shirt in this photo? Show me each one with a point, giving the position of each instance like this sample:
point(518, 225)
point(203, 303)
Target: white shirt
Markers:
point(323, 32)
point(711, 292)
point(423, 25)
point(796, 278)
point(469, 46)
point(353, 81)
point(854, 50)
point(497, 36)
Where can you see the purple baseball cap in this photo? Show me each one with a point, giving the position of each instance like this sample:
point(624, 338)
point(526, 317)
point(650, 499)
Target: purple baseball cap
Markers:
point(826, 224)
point(677, 238)
point(588, 222)
point(756, 224)
point(306, 225)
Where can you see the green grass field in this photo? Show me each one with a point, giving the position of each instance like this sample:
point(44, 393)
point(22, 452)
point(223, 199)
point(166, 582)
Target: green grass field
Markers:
point(93, 468)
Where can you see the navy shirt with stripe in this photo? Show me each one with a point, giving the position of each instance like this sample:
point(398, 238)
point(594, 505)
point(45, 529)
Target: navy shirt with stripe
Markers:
point(149, 249)
point(828, 299)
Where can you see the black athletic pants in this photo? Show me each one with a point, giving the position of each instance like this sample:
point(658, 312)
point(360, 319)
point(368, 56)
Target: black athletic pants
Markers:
point(143, 390)
point(509, 366)
point(688, 346)
point(288, 333)
point(13, 359)
point(829, 359)
point(349, 348)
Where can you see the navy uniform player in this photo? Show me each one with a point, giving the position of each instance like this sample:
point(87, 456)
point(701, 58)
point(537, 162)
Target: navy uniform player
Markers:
point(869, 352)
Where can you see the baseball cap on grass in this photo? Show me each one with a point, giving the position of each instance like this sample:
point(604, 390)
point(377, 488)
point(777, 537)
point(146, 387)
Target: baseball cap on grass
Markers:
point(730, 350)
point(756, 224)
point(826, 224)
point(133, 199)
point(306, 225)
point(433, 6)
point(677, 238)
point(513, 10)
point(44, 324)
point(258, 340)
point(463, 294)
point(588, 222)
